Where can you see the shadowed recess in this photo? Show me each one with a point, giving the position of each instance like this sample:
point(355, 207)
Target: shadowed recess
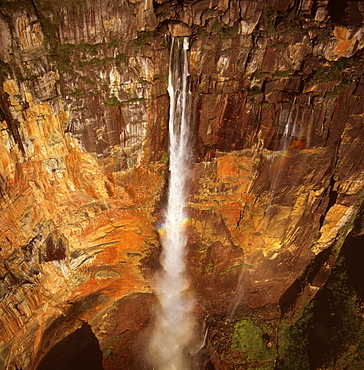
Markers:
point(345, 12)
point(78, 351)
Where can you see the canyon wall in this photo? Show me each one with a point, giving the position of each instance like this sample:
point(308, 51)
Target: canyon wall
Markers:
point(275, 187)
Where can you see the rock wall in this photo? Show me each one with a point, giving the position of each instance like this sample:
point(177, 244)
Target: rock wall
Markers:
point(276, 182)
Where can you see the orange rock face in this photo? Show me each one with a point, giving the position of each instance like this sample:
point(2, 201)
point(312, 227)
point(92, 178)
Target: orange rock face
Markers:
point(276, 176)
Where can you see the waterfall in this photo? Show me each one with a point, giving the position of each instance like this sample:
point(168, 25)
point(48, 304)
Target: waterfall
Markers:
point(289, 128)
point(174, 323)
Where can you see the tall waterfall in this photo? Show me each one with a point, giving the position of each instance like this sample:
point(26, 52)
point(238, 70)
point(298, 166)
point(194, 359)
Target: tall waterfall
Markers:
point(174, 324)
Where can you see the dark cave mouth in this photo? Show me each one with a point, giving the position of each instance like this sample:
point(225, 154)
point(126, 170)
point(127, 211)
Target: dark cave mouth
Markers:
point(78, 351)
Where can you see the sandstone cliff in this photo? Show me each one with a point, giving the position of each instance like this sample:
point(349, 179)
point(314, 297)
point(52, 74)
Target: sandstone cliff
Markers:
point(276, 183)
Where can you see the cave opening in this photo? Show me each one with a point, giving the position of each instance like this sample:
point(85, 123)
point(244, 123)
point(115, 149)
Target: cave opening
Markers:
point(78, 351)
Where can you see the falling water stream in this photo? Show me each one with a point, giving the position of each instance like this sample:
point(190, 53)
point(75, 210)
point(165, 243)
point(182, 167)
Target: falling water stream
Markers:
point(174, 323)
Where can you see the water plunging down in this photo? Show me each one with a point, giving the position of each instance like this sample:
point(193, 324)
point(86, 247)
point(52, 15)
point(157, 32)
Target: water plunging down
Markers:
point(174, 323)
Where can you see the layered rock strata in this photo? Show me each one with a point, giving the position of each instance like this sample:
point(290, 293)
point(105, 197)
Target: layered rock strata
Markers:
point(276, 182)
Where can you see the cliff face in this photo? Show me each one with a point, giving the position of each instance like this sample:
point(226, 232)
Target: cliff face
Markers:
point(276, 182)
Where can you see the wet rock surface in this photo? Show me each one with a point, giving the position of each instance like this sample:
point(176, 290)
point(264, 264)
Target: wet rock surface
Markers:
point(276, 182)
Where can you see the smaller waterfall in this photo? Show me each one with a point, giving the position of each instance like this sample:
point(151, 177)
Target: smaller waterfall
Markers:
point(174, 324)
point(288, 128)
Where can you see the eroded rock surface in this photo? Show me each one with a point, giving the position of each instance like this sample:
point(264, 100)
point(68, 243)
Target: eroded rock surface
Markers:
point(276, 181)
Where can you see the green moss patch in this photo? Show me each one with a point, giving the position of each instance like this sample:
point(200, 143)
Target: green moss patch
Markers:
point(223, 31)
point(113, 101)
point(253, 343)
point(144, 38)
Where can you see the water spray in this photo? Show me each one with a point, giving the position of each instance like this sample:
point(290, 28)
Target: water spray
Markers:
point(174, 327)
